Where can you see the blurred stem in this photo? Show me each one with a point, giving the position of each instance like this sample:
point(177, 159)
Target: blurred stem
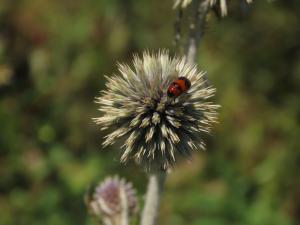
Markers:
point(154, 191)
point(196, 28)
point(124, 205)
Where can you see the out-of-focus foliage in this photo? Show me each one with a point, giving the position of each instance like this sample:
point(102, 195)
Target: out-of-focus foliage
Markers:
point(53, 58)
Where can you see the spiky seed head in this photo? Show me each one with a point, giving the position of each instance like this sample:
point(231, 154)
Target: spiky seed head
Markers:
point(157, 129)
point(105, 201)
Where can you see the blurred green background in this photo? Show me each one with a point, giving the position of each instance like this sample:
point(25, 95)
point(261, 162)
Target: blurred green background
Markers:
point(53, 58)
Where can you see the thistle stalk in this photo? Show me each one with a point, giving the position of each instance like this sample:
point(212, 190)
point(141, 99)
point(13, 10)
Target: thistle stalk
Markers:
point(154, 191)
point(196, 28)
point(157, 180)
point(124, 205)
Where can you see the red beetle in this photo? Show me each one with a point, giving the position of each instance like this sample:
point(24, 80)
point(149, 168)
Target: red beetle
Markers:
point(178, 86)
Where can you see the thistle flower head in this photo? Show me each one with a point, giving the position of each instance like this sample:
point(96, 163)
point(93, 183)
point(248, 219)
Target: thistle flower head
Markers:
point(105, 201)
point(157, 128)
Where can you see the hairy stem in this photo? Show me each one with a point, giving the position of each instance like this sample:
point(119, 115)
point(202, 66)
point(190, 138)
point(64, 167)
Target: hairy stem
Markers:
point(124, 204)
point(154, 191)
point(196, 28)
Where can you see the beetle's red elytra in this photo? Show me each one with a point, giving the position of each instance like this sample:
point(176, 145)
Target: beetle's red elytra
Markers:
point(178, 86)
